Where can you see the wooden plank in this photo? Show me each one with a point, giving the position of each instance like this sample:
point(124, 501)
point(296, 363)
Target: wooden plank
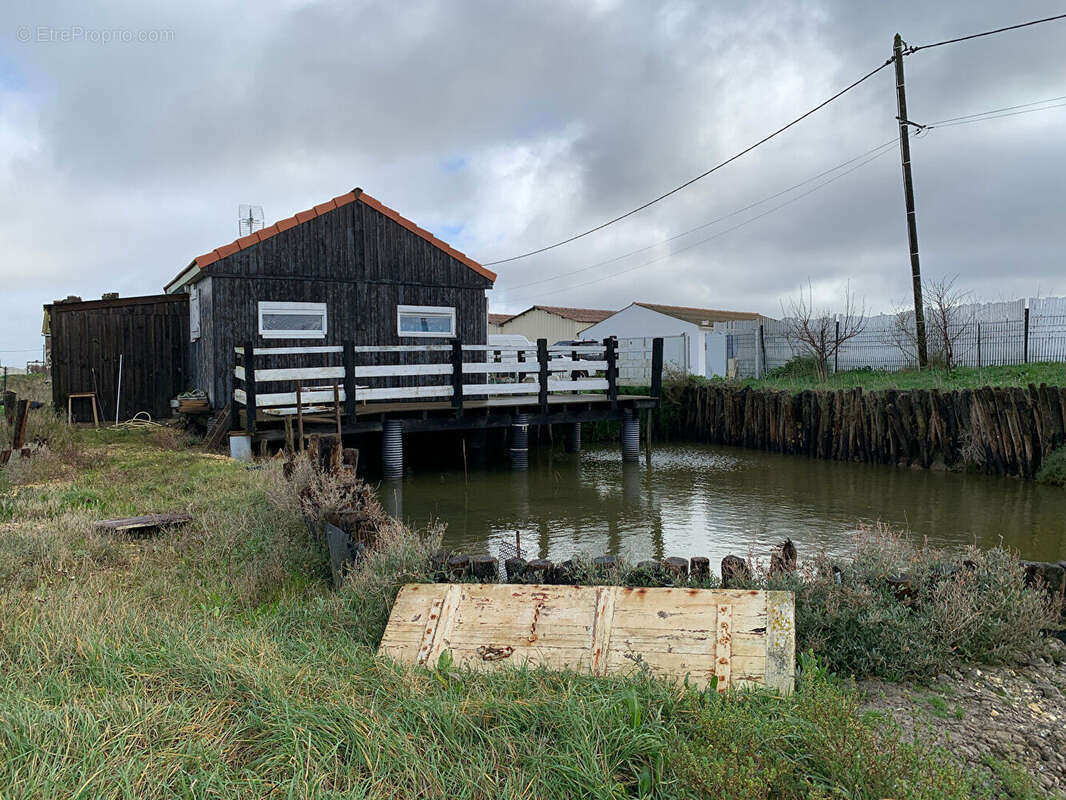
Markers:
point(602, 624)
point(580, 385)
point(391, 370)
point(404, 348)
point(500, 388)
point(442, 618)
point(495, 348)
point(519, 367)
point(581, 349)
point(292, 374)
point(780, 641)
point(723, 653)
point(141, 524)
point(403, 392)
point(677, 633)
point(292, 351)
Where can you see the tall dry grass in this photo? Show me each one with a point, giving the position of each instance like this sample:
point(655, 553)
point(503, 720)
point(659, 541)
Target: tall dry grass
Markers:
point(212, 661)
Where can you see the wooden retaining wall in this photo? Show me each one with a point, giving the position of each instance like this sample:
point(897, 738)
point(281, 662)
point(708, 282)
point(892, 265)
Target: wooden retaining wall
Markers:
point(1002, 431)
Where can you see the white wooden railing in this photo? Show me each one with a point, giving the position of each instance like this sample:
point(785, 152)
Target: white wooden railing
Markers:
point(535, 371)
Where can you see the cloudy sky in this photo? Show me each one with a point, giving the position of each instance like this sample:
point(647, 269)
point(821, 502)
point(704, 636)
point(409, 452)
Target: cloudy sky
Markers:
point(131, 131)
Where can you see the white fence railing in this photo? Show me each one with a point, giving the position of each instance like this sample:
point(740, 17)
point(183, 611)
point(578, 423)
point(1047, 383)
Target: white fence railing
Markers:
point(455, 372)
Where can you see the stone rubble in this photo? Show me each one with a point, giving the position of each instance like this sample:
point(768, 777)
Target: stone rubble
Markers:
point(1013, 713)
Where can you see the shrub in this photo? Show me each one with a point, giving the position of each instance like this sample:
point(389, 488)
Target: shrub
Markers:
point(398, 556)
point(797, 367)
point(973, 607)
point(1053, 470)
point(893, 609)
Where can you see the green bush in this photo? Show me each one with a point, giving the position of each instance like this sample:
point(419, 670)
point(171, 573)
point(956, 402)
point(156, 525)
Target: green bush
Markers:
point(1053, 471)
point(798, 367)
point(896, 610)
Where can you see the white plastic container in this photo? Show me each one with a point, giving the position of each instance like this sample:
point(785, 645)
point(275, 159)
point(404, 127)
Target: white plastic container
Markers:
point(240, 446)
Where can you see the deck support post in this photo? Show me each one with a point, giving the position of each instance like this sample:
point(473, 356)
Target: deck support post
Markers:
point(630, 436)
point(573, 437)
point(249, 388)
point(457, 376)
point(520, 442)
point(542, 377)
point(392, 448)
point(348, 356)
point(610, 347)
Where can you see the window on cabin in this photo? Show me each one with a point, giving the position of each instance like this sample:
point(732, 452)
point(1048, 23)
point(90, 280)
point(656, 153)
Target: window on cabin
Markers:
point(278, 320)
point(425, 321)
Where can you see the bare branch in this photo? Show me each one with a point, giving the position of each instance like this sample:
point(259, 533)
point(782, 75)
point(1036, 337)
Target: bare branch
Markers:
point(820, 333)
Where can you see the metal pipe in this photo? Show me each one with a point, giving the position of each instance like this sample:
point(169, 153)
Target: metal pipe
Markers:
point(573, 438)
point(630, 437)
point(520, 442)
point(392, 448)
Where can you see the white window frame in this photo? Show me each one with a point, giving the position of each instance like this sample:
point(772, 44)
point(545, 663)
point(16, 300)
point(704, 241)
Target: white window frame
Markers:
point(279, 307)
point(194, 313)
point(435, 311)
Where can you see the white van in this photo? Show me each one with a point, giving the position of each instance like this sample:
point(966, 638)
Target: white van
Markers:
point(508, 354)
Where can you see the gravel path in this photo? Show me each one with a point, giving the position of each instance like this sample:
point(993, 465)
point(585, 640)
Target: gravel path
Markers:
point(1014, 715)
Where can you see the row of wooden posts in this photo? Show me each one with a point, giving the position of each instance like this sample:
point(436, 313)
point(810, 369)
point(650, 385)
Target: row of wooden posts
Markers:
point(735, 571)
point(1004, 431)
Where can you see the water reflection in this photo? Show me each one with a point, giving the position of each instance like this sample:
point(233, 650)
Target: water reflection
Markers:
point(702, 500)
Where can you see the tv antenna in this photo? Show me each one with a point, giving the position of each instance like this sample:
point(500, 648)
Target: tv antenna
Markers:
point(250, 219)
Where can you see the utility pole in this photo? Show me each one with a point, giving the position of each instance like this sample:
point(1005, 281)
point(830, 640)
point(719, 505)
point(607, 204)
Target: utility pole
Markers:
point(908, 196)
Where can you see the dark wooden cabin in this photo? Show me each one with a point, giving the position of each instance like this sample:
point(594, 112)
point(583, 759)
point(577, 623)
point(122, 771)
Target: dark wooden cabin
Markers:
point(151, 336)
point(350, 270)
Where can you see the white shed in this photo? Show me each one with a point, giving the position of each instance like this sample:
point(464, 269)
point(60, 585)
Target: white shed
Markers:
point(650, 319)
point(553, 323)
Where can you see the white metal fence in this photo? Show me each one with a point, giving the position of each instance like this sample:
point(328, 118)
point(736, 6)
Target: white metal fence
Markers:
point(1014, 332)
point(635, 354)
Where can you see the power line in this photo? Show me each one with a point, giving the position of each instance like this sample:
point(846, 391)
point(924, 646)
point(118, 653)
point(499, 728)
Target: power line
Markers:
point(703, 225)
point(702, 175)
point(953, 123)
point(997, 110)
point(911, 49)
point(880, 150)
point(727, 230)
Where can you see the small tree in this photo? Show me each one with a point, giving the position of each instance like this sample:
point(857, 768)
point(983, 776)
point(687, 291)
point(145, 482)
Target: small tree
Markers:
point(949, 320)
point(820, 333)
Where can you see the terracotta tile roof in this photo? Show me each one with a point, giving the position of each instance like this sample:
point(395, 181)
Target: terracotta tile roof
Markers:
point(699, 316)
point(576, 314)
point(322, 208)
point(499, 319)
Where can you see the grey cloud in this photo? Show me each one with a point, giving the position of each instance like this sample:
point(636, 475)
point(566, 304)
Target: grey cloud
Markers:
point(520, 124)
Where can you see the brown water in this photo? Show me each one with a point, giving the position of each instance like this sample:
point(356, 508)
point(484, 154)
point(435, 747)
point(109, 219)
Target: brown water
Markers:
point(710, 500)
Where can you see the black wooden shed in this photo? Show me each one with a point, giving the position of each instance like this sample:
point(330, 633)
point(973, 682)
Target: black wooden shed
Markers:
point(142, 341)
point(350, 270)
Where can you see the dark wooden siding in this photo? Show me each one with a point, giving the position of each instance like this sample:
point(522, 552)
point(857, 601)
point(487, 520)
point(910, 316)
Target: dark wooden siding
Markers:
point(150, 333)
point(358, 262)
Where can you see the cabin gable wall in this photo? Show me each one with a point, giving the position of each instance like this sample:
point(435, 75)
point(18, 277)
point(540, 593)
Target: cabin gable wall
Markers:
point(357, 261)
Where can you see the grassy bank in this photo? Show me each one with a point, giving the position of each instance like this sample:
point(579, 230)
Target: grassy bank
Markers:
point(212, 661)
point(799, 375)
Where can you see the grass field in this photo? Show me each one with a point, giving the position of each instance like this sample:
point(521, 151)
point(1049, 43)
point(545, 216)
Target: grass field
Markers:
point(213, 661)
point(798, 376)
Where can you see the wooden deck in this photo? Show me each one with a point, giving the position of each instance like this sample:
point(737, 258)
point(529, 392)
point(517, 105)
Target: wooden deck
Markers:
point(493, 412)
point(448, 387)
